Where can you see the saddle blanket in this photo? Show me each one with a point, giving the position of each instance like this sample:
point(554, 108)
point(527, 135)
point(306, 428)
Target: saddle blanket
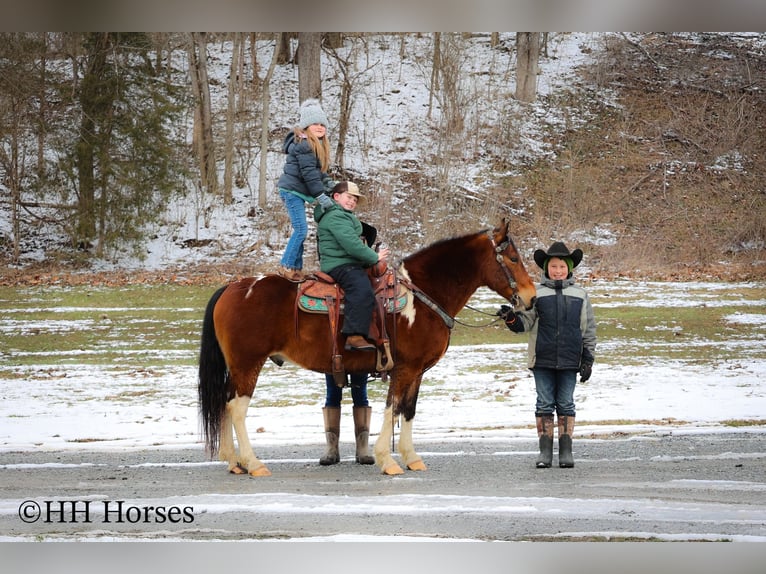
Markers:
point(312, 304)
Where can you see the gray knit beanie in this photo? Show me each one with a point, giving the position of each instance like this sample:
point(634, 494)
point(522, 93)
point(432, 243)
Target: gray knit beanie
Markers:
point(312, 113)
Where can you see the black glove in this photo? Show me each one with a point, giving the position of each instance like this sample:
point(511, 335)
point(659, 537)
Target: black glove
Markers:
point(504, 311)
point(585, 371)
point(511, 320)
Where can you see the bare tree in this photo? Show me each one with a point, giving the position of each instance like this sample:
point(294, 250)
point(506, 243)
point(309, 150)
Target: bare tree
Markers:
point(203, 131)
point(528, 56)
point(265, 112)
point(234, 88)
point(284, 48)
point(309, 65)
point(436, 65)
point(20, 82)
point(333, 40)
point(347, 77)
point(447, 77)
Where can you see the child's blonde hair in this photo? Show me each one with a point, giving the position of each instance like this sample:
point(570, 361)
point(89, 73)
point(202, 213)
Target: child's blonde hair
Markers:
point(320, 147)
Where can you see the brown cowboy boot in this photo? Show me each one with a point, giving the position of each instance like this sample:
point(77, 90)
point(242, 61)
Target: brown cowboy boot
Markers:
point(362, 432)
point(332, 435)
point(358, 343)
point(545, 440)
point(294, 275)
point(566, 428)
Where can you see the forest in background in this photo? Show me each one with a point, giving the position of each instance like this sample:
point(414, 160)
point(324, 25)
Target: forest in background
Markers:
point(657, 169)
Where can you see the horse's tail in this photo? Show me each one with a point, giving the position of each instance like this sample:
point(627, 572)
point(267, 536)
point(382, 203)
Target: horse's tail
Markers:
point(213, 379)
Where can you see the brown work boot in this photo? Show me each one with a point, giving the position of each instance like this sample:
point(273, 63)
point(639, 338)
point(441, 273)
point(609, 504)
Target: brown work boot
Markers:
point(295, 275)
point(358, 343)
point(332, 434)
point(545, 440)
point(362, 432)
point(566, 429)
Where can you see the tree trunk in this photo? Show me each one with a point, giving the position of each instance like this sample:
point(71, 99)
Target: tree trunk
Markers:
point(309, 65)
point(436, 64)
point(527, 57)
point(203, 116)
point(333, 40)
point(235, 79)
point(265, 112)
point(284, 48)
point(92, 104)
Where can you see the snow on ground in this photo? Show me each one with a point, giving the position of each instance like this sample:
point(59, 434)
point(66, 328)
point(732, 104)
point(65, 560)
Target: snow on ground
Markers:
point(107, 407)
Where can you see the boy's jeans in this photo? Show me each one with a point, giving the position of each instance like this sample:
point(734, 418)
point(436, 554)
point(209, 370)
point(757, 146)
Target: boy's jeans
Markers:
point(555, 391)
point(296, 210)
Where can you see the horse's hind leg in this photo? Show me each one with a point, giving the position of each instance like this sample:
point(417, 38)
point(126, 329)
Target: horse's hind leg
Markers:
point(237, 408)
point(226, 451)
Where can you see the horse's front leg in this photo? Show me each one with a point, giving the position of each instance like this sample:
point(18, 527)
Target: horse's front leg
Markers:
point(382, 452)
point(407, 448)
point(237, 409)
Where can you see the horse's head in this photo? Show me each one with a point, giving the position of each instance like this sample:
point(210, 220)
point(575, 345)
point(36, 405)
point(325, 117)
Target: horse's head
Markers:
point(508, 276)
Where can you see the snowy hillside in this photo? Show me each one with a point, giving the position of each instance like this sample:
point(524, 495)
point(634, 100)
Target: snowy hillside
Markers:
point(389, 135)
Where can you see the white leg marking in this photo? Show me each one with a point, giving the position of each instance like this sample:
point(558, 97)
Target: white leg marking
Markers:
point(226, 446)
point(406, 448)
point(381, 450)
point(237, 407)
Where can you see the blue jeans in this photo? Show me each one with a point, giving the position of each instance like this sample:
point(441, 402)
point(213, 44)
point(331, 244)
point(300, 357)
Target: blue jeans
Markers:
point(296, 210)
point(358, 391)
point(555, 391)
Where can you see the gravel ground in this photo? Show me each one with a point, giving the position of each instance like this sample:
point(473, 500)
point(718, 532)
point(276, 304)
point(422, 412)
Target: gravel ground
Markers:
point(660, 487)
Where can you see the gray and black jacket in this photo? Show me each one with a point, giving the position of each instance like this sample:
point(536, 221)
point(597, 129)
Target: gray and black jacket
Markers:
point(561, 326)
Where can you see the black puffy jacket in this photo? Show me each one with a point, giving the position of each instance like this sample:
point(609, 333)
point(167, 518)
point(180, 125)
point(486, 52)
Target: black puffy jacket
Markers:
point(303, 171)
point(561, 325)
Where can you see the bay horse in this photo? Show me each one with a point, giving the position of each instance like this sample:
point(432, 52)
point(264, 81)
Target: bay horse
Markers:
point(250, 320)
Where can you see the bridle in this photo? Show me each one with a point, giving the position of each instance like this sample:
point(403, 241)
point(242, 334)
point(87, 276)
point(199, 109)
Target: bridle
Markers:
point(499, 248)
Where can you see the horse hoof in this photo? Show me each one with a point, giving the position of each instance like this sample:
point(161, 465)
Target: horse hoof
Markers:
point(393, 470)
point(417, 465)
point(260, 471)
point(238, 469)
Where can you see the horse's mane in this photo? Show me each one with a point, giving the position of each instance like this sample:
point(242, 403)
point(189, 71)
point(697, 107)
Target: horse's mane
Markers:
point(443, 244)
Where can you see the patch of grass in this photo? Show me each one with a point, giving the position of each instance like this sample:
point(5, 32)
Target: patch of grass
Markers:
point(744, 422)
point(146, 326)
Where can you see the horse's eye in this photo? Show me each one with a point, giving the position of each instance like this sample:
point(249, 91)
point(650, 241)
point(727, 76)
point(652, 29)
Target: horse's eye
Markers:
point(514, 259)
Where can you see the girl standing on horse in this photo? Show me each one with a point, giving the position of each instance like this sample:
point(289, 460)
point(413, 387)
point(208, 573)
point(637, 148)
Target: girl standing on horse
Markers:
point(562, 342)
point(303, 180)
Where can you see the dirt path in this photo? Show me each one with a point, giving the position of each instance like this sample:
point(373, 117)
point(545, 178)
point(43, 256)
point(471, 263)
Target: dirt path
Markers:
point(679, 487)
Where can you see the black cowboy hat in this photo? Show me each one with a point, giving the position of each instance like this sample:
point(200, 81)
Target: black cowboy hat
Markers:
point(558, 249)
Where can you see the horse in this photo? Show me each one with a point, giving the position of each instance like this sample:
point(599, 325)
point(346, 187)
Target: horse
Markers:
point(251, 320)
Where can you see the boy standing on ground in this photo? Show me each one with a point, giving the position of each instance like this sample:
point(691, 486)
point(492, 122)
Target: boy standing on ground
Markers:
point(562, 342)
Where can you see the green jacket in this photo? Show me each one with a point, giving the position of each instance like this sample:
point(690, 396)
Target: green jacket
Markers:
point(340, 241)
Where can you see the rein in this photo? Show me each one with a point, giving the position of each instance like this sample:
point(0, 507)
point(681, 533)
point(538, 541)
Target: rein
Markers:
point(430, 303)
point(450, 321)
point(474, 309)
